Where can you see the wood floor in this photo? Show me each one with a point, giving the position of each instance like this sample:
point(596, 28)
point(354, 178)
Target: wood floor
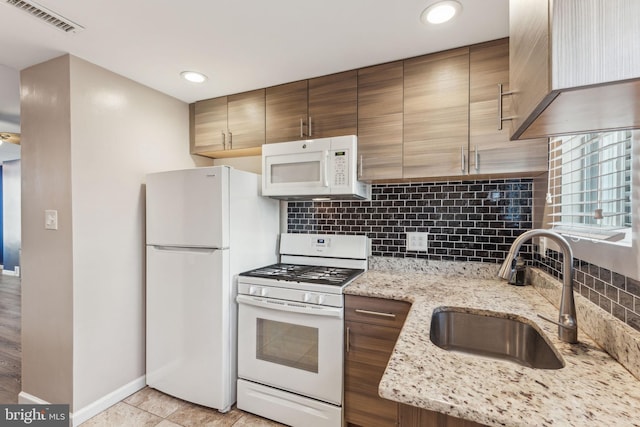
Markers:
point(10, 348)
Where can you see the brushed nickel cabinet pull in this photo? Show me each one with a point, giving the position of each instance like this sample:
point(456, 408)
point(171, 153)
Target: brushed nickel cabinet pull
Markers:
point(301, 128)
point(462, 160)
point(230, 141)
point(224, 140)
point(500, 95)
point(375, 313)
point(348, 339)
point(477, 158)
point(310, 131)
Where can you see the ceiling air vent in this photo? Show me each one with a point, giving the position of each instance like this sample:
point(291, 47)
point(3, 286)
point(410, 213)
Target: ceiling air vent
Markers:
point(46, 15)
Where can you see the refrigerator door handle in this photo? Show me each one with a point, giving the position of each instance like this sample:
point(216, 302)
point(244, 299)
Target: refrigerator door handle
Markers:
point(185, 249)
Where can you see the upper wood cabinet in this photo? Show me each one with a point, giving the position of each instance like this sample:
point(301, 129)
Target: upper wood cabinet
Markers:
point(246, 119)
point(436, 114)
point(228, 126)
point(574, 66)
point(209, 125)
point(333, 105)
point(380, 108)
point(490, 148)
point(286, 109)
point(315, 108)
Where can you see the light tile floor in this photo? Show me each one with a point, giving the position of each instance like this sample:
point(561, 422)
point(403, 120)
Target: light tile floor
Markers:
point(151, 408)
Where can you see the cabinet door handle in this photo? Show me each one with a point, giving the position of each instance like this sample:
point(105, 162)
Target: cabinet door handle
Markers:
point(230, 141)
point(310, 131)
point(476, 156)
point(500, 95)
point(348, 339)
point(462, 160)
point(375, 313)
point(360, 167)
point(301, 128)
point(224, 140)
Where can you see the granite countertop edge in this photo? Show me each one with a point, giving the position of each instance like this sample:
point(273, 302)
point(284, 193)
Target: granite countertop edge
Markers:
point(593, 387)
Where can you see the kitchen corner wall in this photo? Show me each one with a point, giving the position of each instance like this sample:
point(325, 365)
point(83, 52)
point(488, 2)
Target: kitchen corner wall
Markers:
point(614, 293)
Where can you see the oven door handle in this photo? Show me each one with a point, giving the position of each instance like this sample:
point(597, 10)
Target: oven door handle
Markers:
point(290, 306)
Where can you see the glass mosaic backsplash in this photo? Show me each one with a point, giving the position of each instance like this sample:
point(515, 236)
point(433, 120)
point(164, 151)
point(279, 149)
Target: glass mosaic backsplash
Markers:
point(465, 221)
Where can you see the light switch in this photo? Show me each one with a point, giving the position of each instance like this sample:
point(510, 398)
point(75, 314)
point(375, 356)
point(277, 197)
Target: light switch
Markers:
point(417, 241)
point(51, 219)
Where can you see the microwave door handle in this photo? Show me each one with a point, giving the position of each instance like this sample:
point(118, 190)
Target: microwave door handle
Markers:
point(326, 168)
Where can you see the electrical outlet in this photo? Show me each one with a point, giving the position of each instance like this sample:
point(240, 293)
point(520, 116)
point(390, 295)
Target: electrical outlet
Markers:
point(417, 241)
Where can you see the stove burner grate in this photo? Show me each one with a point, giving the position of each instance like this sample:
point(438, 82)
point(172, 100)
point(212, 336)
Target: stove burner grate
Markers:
point(306, 273)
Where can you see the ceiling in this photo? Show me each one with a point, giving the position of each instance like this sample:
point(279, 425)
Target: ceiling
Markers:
point(239, 44)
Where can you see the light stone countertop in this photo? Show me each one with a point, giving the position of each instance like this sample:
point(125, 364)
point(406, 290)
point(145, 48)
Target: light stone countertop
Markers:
point(593, 389)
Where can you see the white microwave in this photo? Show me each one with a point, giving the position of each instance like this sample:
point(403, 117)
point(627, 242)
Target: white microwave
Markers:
point(313, 169)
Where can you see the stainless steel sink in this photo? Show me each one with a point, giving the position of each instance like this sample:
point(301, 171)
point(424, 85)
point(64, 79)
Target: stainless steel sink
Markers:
point(493, 335)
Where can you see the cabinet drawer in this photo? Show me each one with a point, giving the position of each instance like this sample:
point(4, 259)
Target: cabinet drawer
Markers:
point(376, 311)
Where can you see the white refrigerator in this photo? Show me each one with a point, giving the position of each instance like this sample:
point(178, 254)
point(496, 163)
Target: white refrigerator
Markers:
point(204, 226)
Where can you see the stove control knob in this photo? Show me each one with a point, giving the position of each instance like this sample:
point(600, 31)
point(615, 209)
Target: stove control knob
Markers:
point(253, 290)
point(263, 292)
point(320, 299)
point(306, 297)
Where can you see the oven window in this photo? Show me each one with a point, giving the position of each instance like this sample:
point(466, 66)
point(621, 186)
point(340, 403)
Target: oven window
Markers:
point(295, 172)
point(287, 344)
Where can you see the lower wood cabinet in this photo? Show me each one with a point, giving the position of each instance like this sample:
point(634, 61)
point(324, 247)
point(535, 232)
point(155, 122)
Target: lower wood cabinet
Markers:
point(410, 416)
point(372, 327)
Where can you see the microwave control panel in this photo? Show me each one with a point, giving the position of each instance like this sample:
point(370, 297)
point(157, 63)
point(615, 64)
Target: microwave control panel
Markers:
point(340, 168)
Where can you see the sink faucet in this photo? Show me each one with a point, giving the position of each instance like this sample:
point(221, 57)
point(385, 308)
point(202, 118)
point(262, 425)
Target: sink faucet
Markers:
point(567, 321)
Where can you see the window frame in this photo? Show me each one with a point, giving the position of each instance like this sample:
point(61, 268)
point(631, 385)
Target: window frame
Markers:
point(621, 257)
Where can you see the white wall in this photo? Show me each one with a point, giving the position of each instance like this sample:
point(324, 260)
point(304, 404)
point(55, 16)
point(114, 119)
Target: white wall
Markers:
point(119, 131)
point(47, 285)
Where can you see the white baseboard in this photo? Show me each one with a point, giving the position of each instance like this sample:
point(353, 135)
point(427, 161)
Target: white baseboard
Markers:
point(94, 408)
point(28, 399)
point(11, 272)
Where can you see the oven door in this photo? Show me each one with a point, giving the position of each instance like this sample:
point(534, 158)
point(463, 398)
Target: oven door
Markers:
point(291, 346)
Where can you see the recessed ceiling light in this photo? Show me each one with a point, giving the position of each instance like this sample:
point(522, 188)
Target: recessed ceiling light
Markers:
point(440, 12)
point(193, 76)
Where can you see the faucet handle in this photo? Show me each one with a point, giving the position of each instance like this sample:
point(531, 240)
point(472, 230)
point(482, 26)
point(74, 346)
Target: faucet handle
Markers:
point(569, 323)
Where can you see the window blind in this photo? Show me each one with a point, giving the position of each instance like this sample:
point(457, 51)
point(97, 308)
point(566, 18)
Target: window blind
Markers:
point(590, 184)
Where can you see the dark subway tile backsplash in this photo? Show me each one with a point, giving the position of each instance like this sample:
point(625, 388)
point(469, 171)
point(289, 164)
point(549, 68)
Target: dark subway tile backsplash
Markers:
point(611, 291)
point(466, 220)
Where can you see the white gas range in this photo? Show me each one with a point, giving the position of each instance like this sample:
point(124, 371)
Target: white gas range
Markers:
point(291, 329)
